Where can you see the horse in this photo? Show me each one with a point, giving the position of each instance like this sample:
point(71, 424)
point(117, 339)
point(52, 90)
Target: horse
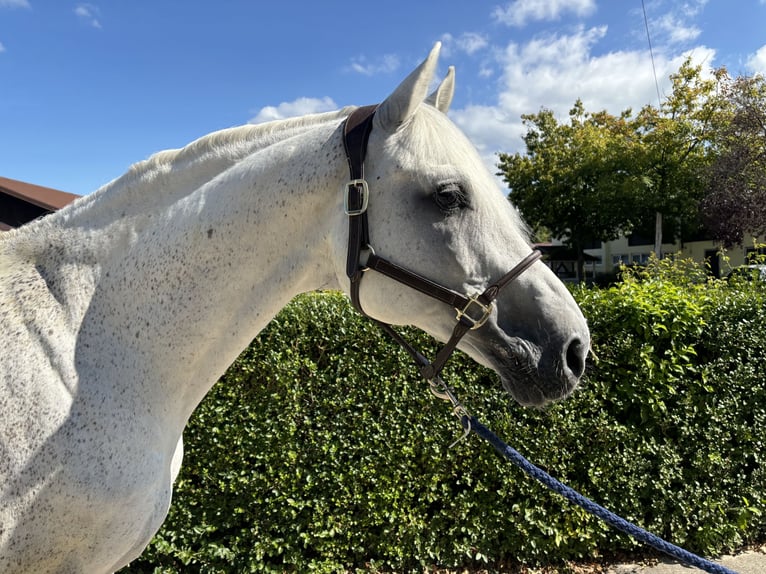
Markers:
point(121, 310)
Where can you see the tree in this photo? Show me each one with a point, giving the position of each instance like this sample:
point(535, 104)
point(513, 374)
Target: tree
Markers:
point(675, 149)
point(573, 178)
point(735, 196)
point(599, 175)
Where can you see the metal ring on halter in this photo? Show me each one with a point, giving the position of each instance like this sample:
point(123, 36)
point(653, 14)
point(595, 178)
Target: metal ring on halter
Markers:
point(369, 248)
point(441, 391)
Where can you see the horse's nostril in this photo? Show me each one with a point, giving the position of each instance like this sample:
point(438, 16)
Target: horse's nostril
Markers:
point(574, 357)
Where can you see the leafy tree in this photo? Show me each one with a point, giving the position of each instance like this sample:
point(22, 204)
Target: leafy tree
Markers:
point(600, 175)
point(735, 198)
point(573, 179)
point(675, 149)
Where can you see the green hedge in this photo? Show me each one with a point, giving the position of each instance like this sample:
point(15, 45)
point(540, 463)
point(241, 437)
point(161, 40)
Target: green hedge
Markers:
point(321, 450)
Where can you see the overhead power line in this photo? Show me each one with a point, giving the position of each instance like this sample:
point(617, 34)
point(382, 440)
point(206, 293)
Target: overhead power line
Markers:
point(651, 54)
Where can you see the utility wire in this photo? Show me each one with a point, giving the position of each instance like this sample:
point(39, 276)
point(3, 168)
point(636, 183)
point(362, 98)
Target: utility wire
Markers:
point(651, 54)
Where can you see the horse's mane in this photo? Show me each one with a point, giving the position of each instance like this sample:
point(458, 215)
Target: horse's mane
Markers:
point(145, 187)
point(247, 139)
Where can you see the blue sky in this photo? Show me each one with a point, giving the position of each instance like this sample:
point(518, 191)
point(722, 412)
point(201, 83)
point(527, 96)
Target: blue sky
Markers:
point(87, 89)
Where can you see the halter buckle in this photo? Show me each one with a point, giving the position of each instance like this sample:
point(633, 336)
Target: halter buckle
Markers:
point(463, 316)
point(359, 185)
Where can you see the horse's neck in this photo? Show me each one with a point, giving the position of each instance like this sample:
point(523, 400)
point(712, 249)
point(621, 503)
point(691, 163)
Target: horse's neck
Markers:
point(175, 298)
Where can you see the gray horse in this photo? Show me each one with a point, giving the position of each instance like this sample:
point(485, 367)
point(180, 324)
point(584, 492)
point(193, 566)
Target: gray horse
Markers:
point(122, 310)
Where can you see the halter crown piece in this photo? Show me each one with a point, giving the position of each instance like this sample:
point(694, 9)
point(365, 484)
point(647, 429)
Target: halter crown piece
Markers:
point(472, 312)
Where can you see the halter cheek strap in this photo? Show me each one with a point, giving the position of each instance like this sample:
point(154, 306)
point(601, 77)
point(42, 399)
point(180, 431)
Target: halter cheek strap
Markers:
point(356, 132)
point(472, 311)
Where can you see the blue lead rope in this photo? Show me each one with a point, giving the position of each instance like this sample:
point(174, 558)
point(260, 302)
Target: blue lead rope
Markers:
point(470, 423)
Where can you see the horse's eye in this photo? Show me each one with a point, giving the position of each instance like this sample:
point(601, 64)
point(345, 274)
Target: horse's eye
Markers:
point(450, 198)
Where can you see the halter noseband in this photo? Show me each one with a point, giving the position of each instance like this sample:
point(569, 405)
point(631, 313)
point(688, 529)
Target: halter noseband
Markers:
point(472, 311)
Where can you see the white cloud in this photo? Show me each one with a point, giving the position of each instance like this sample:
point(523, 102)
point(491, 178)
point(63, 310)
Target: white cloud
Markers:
point(471, 42)
point(519, 12)
point(14, 4)
point(674, 29)
point(385, 64)
point(298, 107)
point(555, 70)
point(490, 129)
point(672, 23)
point(89, 14)
point(486, 72)
point(468, 42)
point(694, 7)
point(756, 63)
point(2, 48)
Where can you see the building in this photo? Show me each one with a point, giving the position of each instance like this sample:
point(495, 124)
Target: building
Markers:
point(21, 202)
point(563, 261)
point(632, 251)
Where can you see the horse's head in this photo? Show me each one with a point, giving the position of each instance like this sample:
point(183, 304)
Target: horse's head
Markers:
point(436, 210)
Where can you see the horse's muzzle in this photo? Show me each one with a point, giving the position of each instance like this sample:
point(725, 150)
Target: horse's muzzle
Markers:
point(535, 376)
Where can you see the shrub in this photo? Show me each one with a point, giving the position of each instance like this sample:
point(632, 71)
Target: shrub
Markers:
point(321, 449)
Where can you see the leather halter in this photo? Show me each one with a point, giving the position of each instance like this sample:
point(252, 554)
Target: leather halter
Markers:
point(472, 311)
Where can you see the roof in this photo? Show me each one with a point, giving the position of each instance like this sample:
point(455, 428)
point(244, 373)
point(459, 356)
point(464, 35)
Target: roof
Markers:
point(562, 253)
point(44, 197)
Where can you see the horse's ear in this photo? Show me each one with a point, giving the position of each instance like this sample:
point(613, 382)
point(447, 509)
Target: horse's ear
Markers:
point(442, 96)
point(400, 105)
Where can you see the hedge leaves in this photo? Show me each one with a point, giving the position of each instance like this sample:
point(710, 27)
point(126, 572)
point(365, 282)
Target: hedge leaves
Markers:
point(321, 450)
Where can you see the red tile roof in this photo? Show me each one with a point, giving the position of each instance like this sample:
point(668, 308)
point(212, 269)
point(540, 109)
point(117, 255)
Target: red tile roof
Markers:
point(44, 197)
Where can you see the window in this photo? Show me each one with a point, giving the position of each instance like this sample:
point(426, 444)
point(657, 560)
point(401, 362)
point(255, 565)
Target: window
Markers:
point(620, 259)
point(639, 258)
